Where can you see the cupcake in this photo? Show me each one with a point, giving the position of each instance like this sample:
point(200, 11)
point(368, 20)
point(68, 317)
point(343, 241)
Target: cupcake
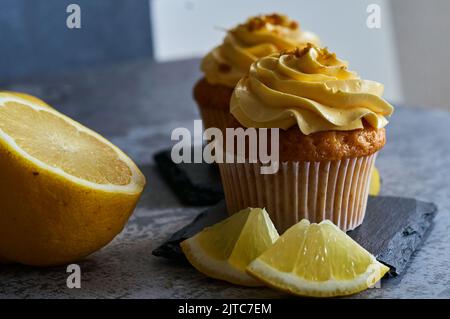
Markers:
point(331, 127)
point(226, 64)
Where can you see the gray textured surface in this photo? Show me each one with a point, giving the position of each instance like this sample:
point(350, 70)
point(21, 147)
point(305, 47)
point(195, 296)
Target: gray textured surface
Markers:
point(136, 106)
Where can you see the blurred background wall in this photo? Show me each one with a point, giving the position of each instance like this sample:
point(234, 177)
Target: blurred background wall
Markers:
point(409, 53)
point(422, 32)
point(34, 38)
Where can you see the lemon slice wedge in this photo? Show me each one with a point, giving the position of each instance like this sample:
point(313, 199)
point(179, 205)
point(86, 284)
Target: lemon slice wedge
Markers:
point(317, 260)
point(65, 191)
point(224, 250)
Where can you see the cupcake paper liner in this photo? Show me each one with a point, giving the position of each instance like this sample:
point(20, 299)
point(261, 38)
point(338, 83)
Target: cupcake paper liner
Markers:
point(334, 190)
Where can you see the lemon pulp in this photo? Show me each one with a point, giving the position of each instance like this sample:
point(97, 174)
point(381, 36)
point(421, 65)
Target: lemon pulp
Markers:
point(317, 260)
point(59, 144)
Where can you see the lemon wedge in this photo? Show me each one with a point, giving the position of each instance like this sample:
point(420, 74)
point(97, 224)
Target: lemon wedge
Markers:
point(317, 260)
point(65, 191)
point(375, 183)
point(224, 250)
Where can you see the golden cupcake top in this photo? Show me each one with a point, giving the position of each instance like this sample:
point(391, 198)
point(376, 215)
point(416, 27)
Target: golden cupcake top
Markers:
point(311, 88)
point(257, 37)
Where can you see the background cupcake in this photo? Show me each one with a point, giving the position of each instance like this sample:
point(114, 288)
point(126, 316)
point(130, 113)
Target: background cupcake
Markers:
point(332, 126)
point(226, 64)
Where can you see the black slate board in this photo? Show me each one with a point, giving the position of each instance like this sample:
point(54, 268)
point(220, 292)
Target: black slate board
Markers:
point(194, 184)
point(393, 229)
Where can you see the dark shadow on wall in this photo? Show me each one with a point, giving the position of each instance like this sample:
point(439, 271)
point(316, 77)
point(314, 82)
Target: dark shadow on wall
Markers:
point(34, 38)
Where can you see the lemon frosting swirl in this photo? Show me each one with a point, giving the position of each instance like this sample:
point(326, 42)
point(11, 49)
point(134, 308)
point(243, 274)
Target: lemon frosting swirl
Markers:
point(309, 87)
point(259, 36)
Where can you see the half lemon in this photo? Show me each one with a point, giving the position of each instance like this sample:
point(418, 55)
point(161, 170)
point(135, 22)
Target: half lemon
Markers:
point(65, 191)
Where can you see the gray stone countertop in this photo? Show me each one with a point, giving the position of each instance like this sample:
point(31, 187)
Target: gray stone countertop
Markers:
point(136, 106)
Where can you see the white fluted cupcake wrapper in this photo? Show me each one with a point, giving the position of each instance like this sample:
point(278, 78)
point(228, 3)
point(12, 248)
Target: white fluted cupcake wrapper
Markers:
point(334, 190)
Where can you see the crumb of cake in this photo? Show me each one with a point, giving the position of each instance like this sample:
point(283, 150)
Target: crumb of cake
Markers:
point(324, 56)
point(301, 52)
point(275, 19)
point(224, 68)
point(255, 24)
point(259, 22)
point(293, 25)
